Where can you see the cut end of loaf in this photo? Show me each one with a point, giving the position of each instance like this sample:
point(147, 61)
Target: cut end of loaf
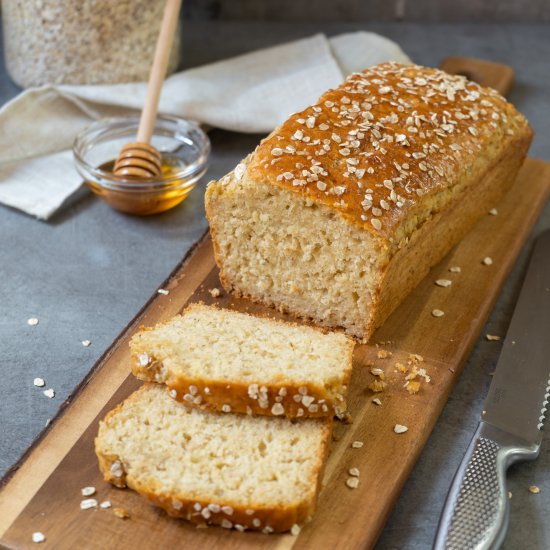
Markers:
point(301, 257)
point(228, 361)
point(231, 470)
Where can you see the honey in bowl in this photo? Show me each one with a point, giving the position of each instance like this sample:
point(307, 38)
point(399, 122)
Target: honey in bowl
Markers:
point(146, 197)
point(184, 149)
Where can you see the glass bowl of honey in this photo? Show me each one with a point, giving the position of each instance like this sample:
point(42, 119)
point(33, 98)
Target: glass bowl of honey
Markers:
point(184, 150)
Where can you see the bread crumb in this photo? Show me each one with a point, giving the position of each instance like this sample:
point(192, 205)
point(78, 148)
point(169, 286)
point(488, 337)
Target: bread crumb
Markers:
point(378, 386)
point(352, 482)
point(49, 393)
point(377, 401)
point(121, 513)
point(86, 343)
point(87, 491)
point(215, 292)
point(415, 358)
point(534, 489)
point(437, 313)
point(88, 503)
point(487, 260)
point(33, 321)
point(39, 382)
point(105, 504)
point(493, 212)
point(163, 291)
point(455, 269)
point(492, 337)
point(357, 444)
point(444, 282)
point(295, 530)
point(38, 537)
point(383, 354)
point(354, 472)
point(413, 386)
point(401, 368)
point(400, 429)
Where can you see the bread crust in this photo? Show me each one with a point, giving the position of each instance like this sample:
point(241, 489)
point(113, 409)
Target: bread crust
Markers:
point(281, 398)
point(224, 512)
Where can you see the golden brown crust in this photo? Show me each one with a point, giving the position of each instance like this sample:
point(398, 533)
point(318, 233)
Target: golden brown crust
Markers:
point(224, 512)
point(416, 131)
point(437, 236)
point(281, 398)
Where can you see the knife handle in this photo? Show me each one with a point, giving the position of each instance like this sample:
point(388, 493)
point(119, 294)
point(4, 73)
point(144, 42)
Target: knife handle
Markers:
point(476, 511)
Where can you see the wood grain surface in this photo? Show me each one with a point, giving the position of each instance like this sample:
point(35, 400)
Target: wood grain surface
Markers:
point(44, 493)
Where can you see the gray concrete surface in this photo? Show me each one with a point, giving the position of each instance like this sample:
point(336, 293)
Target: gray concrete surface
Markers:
point(86, 273)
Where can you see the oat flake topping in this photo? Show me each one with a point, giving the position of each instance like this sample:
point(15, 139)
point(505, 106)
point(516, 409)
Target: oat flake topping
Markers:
point(382, 140)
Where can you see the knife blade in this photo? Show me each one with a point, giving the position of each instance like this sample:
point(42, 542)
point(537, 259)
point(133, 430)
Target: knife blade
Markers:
point(476, 512)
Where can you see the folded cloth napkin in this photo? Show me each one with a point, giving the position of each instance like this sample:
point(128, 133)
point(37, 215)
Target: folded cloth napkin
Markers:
point(251, 93)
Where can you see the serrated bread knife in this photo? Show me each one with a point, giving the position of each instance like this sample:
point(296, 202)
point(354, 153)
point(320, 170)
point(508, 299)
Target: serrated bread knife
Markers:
point(476, 511)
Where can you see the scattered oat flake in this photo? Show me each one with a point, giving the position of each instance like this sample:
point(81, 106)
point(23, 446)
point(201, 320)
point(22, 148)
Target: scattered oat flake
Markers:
point(383, 354)
point(352, 482)
point(455, 269)
point(509, 494)
point(437, 313)
point(86, 343)
point(163, 291)
point(87, 491)
point(400, 429)
point(121, 513)
point(493, 211)
point(357, 444)
point(38, 537)
point(39, 382)
point(492, 337)
point(88, 503)
point(377, 401)
point(354, 472)
point(215, 292)
point(49, 393)
point(487, 260)
point(33, 321)
point(105, 504)
point(534, 489)
point(295, 530)
point(443, 282)
point(376, 371)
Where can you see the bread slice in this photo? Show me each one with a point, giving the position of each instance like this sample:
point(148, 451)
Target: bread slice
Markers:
point(232, 470)
point(227, 361)
point(343, 209)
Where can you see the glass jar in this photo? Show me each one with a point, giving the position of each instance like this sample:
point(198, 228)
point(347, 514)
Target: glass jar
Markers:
point(184, 149)
point(82, 41)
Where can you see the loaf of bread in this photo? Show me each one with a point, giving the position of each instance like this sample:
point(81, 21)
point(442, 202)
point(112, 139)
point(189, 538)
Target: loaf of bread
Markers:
point(228, 361)
point(343, 209)
point(232, 470)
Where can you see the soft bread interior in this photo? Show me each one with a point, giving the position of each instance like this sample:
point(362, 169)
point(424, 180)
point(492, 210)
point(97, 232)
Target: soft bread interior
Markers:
point(284, 250)
point(168, 449)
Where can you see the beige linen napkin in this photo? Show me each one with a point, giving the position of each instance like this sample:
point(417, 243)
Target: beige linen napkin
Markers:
point(250, 93)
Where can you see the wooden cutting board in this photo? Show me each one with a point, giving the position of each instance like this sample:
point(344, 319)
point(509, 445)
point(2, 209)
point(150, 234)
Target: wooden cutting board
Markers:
point(43, 494)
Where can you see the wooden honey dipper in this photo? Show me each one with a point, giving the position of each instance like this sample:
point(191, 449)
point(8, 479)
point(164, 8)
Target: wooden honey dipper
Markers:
point(140, 159)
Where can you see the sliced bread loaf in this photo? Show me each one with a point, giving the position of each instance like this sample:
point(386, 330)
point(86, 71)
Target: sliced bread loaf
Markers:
point(228, 361)
point(231, 470)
